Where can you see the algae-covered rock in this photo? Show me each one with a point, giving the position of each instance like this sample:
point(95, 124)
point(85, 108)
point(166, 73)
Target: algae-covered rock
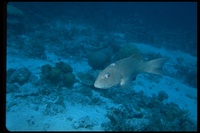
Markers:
point(55, 75)
point(162, 95)
point(97, 60)
point(64, 67)
point(69, 79)
point(127, 50)
point(84, 122)
point(61, 74)
point(20, 76)
point(46, 72)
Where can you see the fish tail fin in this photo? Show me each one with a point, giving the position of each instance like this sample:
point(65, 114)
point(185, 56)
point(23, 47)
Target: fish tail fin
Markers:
point(155, 66)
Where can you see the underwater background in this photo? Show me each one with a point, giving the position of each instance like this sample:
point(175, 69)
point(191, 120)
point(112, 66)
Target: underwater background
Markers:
point(55, 51)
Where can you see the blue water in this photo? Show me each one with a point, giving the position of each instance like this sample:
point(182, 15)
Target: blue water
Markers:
point(55, 51)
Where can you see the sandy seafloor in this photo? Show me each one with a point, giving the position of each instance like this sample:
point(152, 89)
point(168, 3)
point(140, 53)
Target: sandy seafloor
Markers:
point(24, 114)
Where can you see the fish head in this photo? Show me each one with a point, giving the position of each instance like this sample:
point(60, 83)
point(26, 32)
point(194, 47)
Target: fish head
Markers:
point(107, 78)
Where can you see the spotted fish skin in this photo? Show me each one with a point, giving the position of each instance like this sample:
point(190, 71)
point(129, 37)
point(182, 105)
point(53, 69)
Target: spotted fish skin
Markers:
point(123, 71)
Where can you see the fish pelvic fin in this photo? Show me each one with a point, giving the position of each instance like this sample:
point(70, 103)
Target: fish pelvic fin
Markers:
point(125, 84)
point(155, 66)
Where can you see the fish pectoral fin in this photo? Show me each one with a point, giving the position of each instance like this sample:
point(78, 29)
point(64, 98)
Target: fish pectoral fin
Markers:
point(125, 84)
point(122, 82)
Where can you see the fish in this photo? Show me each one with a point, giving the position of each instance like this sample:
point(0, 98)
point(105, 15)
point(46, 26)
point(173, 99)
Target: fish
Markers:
point(123, 71)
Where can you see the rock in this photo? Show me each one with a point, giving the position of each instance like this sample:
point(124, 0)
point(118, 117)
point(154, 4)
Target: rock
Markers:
point(162, 95)
point(84, 122)
point(127, 51)
point(64, 67)
point(21, 76)
point(97, 60)
point(61, 74)
point(69, 79)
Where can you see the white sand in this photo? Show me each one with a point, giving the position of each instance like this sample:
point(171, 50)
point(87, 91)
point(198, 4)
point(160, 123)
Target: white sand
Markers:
point(23, 116)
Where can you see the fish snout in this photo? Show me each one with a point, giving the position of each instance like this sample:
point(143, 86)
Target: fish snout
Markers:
point(96, 84)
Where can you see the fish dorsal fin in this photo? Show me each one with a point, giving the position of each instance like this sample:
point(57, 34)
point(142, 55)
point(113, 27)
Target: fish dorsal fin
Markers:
point(136, 56)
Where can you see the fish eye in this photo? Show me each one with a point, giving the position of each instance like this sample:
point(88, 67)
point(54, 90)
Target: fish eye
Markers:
point(107, 75)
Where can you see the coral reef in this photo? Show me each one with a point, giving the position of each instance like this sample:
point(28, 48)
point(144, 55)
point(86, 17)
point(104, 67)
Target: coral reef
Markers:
point(46, 69)
point(68, 79)
point(119, 118)
point(60, 75)
point(84, 122)
point(64, 67)
point(37, 34)
point(187, 74)
point(20, 76)
point(157, 116)
point(169, 117)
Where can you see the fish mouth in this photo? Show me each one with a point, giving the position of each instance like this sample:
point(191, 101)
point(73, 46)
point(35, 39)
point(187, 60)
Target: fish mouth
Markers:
point(96, 85)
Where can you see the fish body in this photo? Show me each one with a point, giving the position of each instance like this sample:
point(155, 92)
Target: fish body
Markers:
point(123, 71)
